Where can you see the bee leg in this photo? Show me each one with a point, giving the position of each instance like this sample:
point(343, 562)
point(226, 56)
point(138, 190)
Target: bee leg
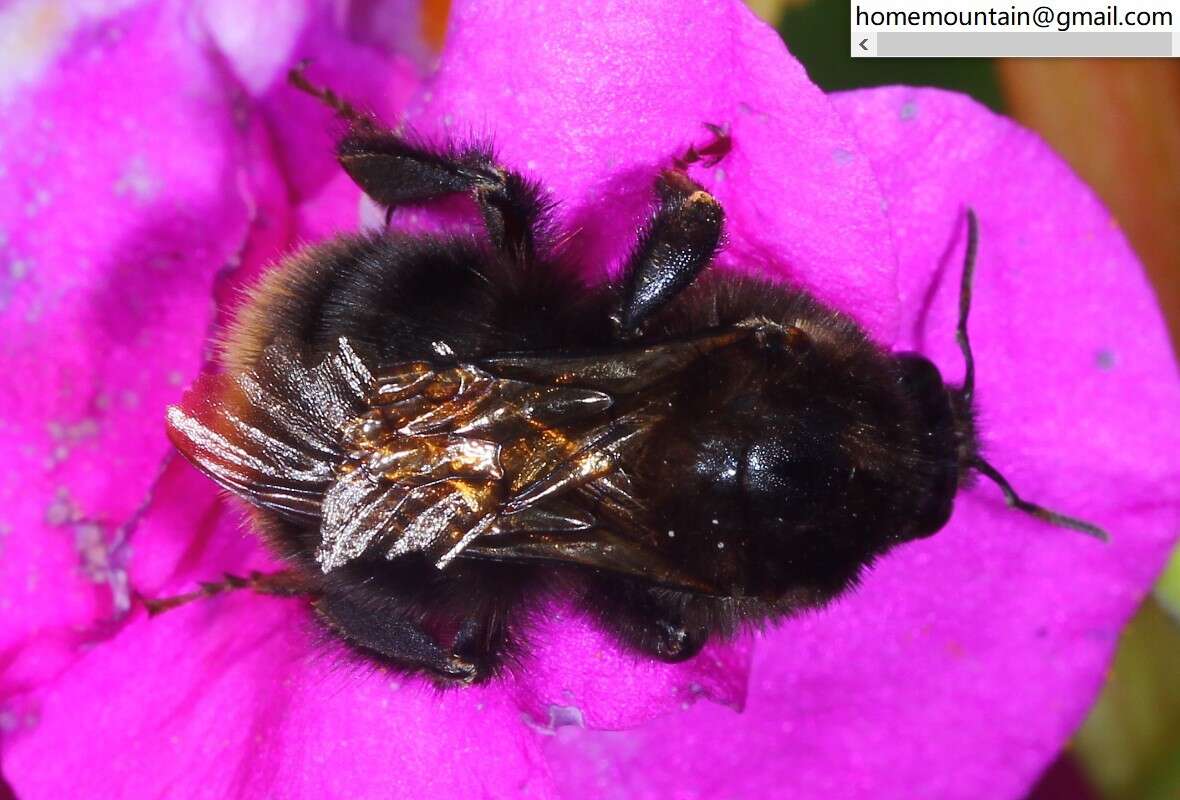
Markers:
point(480, 640)
point(680, 241)
point(277, 584)
point(344, 109)
point(454, 625)
point(395, 171)
point(711, 154)
point(399, 641)
point(656, 621)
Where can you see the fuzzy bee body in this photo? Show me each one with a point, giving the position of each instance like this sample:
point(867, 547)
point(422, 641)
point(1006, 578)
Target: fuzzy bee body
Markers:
point(433, 429)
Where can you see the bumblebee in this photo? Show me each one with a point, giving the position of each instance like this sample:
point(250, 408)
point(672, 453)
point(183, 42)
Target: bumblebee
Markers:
point(432, 429)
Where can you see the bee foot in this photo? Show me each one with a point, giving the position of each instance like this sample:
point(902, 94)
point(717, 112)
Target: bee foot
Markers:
point(459, 671)
point(712, 153)
point(675, 642)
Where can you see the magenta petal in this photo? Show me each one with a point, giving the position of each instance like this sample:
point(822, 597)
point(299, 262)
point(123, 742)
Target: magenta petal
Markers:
point(128, 186)
point(594, 101)
point(262, 42)
point(241, 696)
point(252, 710)
point(575, 674)
point(964, 662)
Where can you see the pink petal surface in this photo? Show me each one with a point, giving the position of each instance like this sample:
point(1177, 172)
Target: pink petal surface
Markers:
point(241, 697)
point(250, 711)
point(116, 216)
point(262, 42)
point(964, 662)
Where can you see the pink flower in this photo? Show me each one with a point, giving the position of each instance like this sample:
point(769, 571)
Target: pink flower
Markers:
point(154, 161)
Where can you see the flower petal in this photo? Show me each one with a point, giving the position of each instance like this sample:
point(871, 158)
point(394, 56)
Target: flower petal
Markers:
point(262, 43)
point(116, 218)
point(964, 662)
point(255, 701)
point(254, 709)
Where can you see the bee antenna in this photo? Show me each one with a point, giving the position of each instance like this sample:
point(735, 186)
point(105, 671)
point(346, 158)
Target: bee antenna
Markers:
point(297, 77)
point(965, 305)
point(982, 467)
point(1040, 512)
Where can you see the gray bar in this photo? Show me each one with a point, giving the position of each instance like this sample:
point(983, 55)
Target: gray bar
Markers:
point(1021, 44)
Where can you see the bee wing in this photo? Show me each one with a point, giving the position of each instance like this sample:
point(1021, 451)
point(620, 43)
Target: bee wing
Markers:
point(434, 518)
point(545, 519)
point(444, 459)
point(440, 455)
point(597, 548)
point(309, 443)
point(626, 371)
point(268, 435)
point(614, 539)
point(408, 460)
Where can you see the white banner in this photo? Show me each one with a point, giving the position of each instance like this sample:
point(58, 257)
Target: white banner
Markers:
point(1068, 28)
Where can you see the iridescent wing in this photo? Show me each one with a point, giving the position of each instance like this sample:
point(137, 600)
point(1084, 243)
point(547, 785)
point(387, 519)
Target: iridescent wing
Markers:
point(619, 536)
point(612, 540)
point(409, 460)
point(443, 452)
point(269, 435)
point(517, 458)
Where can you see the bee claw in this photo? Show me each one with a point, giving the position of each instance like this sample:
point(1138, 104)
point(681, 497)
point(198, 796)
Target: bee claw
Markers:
point(678, 643)
point(459, 671)
point(712, 153)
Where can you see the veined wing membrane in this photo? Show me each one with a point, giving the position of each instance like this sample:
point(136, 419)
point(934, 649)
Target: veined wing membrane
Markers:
point(516, 458)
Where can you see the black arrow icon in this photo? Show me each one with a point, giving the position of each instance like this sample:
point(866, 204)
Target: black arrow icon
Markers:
point(864, 42)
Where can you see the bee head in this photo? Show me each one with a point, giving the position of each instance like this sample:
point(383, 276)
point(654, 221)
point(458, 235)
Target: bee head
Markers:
point(944, 441)
point(949, 445)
